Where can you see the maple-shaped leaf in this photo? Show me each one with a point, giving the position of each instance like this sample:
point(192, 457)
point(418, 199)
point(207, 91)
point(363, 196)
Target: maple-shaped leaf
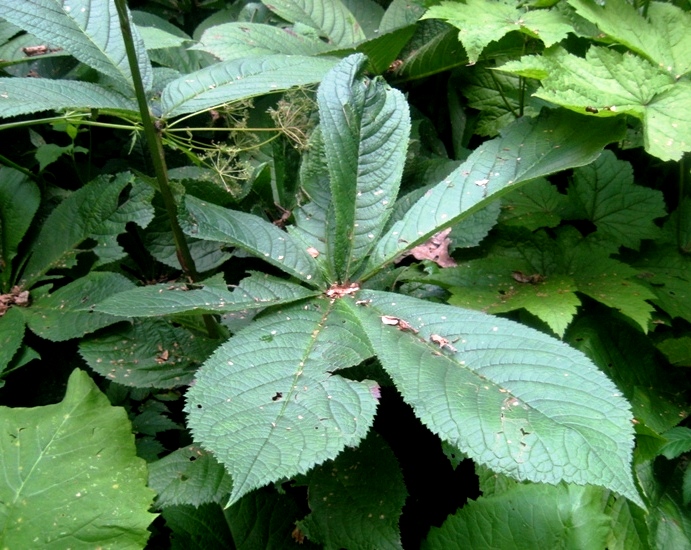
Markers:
point(542, 275)
point(604, 193)
point(483, 21)
point(607, 83)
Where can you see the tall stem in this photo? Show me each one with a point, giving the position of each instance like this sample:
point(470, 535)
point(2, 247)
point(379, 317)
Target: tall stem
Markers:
point(155, 146)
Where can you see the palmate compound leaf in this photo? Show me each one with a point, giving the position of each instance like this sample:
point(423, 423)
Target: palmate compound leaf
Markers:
point(87, 29)
point(527, 149)
point(365, 128)
point(269, 402)
point(254, 292)
point(509, 397)
point(71, 477)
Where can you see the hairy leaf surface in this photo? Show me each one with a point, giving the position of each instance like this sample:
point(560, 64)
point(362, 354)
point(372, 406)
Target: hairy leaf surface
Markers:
point(332, 20)
point(235, 40)
point(71, 474)
point(87, 29)
point(240, 79)
point(365, 127)
point(253, 292)
point(269, 403)
point(527, 149)
point(189, 476)
point(259, 237)
point(509, 397)
point(23, 96)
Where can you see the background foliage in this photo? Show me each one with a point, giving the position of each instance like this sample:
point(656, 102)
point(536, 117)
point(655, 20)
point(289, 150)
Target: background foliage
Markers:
point(355, 274)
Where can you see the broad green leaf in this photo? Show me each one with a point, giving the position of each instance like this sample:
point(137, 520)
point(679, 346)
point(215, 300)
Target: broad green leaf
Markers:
point(541, 274)
point(663, 36)
point(19, 200)
point(433, 49)
point(493, 286)
point(235, 40)
point(197, 527)
point(159, 241)
point(666, 272)
point(607, 83)
point(630, 360)
point(87, 29)
point(73, 221)
point(240, 79)
point(149, 353)
point(525, 518)
point(188, 476)
point(499, 99)
point(629, 530)
point(270, 403)
point(368, 14)
point(11, 335)
point(400, 13)
point(136, 209)
point(153, 417)
point(158, 33)
point(604, 193)
point(509, 397)
point(254, 292)
point(71, 474)
point(527, 149)
point(536, 204)
point(382, 50)
point(264, 519)
point(356, 499)
point(257, 236)
point(69, 311)
point(21, 96)
point(678, 442)
point(483, 21)
point(677, 350)
point(668, 518)
point(332, 20)
point(311, 225)
point(365, 127)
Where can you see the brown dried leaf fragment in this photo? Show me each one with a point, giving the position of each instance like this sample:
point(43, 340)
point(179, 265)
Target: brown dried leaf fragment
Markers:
point(400, 324)
point(441, 342)
point(339, 291)
point(15, 297)
point(435, 249)
point(523, 278)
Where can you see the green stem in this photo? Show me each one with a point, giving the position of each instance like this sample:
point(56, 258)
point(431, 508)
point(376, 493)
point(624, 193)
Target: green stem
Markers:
point(155, 146)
